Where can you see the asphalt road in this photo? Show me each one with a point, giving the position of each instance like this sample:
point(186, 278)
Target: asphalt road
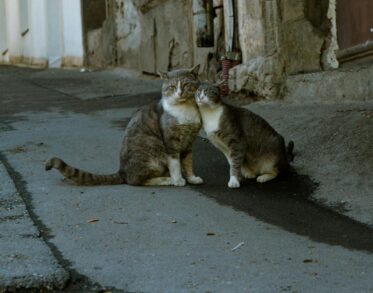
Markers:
point(259, 238)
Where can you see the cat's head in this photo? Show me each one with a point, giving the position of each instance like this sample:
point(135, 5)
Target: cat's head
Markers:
point(180, 85)
point(208, 95)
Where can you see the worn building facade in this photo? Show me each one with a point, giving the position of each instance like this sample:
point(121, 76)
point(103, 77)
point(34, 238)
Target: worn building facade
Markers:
point(273, 48)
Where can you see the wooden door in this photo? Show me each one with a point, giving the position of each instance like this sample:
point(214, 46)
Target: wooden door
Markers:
point(355, 26)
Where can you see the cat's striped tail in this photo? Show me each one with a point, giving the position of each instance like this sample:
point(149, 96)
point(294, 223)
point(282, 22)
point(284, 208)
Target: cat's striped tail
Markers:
point(289, 151)
point(81, 177)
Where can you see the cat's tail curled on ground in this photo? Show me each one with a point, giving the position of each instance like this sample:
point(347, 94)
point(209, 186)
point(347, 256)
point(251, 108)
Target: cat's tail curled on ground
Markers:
point(81, 177)
point(289, 151)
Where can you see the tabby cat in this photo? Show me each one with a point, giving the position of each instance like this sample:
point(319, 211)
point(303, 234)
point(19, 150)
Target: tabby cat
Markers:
point(252, 147)
point(157, 144)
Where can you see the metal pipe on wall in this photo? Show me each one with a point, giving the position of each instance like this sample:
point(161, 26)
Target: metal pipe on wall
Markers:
point(229, 26)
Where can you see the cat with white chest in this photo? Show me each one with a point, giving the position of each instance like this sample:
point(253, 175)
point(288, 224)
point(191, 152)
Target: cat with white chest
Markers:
point(252, 147)
point(157, 144)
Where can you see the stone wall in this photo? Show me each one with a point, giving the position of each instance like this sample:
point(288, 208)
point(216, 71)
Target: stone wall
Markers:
point(154, 35)
point(209, 57)
point(261, 73)
point(286, 37)
point(277, 38)
point(307, 30)
point(251, 29)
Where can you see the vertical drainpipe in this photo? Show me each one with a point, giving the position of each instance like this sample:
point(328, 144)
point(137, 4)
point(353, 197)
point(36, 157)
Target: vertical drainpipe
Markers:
point(230, 27)
point(203, 18)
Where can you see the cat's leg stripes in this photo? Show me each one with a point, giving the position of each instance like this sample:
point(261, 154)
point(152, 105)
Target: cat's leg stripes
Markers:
point(158, 181)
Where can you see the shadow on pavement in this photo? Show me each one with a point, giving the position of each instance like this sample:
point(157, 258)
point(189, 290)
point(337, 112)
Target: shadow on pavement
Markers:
point(284, 202)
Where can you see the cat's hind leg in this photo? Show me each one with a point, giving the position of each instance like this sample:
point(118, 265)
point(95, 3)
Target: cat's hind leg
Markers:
point(158, 181)
point(247, 172)
point(266, 177)
point(267, 169)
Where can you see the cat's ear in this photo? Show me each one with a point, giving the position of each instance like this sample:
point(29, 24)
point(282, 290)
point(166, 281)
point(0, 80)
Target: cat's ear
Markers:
point(163, 75)
point(195, 70)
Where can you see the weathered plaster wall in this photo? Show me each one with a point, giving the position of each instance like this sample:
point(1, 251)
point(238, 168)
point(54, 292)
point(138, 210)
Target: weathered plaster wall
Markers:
point(261, 73)
point(302, 41)
point(93, 16)
point(251, 29)
point(281, 38)
point(209, 57)
point(329, 56)
point(129, 33)
point(309, 35)
point(276, 39)
point(100, 36)
point(154, 35)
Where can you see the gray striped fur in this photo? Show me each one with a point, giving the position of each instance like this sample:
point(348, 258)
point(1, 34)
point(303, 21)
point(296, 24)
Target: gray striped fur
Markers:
point(154, 138)
point(253, 148)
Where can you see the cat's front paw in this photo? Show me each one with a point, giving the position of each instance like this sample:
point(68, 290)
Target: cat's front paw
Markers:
point(178, 181)
point(233, 182)
point(195, 180)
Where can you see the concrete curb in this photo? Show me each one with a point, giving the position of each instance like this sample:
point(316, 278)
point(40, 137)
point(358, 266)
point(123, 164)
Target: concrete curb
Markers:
point(25, 260)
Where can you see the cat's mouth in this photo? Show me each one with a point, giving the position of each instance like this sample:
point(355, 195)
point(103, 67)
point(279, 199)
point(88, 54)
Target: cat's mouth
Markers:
point(200, 102)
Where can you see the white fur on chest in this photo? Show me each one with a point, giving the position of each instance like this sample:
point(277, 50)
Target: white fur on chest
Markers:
point(211, 119)
point(184, 114)
point(211, 122)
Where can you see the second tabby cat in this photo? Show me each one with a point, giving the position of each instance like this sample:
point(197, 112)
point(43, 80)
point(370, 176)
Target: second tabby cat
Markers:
point(252, 147)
